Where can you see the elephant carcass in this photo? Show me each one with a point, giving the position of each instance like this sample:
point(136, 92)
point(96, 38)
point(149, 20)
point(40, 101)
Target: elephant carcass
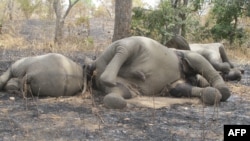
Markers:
point(213, 52)
point(46, 75)
point(140, 65)
point(216, 55)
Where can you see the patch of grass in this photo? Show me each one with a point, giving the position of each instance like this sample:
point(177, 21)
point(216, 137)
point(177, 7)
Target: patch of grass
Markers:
point(239, 54)
point(69, 44)
point(10, 41)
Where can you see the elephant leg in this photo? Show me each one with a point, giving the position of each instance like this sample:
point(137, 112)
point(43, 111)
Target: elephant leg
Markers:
point(224, 56)
point(116, 98)
point(208, 95)
point(4, 78)
point(223, 66)
point(13, 86)
point(108, 77)
point(201, 66)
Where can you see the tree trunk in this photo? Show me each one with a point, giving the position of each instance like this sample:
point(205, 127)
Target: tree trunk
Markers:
point(1, 28)
point(183, 18)
point(50, 9)
point(122, 19)
point(60, 18)
point(233, 33)
point(179, 29)
point(10, 9)
point(59, 31)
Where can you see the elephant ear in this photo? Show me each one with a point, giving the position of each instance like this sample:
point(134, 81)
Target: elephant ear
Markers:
point(187, 69)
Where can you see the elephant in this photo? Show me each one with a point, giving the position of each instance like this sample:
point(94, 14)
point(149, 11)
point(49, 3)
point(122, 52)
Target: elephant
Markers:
point(139, 65)
point(216, 55)
point(214, 52)
point(45, 75)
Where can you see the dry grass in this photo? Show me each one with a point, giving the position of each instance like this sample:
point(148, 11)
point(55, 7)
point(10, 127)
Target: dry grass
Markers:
point(239, 54)
point(9, 41)
point(241, 90)
point(18, 42)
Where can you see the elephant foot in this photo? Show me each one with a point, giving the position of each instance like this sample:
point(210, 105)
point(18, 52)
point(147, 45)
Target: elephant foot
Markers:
point(234, 74)
point(225, 92)
point(107, 80)
point(114, 101)
point(210, 96)
point(12, 85)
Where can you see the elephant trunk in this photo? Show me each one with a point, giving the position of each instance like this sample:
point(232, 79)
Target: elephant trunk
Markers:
point(84, 80)
point(204, 68)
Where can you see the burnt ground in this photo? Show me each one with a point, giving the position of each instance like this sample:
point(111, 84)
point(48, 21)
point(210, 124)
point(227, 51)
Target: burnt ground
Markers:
point(77, 118)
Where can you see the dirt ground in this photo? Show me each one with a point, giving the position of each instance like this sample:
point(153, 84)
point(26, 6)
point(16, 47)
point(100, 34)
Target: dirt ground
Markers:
point(80, 119)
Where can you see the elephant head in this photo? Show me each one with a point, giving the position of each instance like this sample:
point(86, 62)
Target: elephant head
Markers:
point(46, 75)
point(142, 66)
point(178, 42)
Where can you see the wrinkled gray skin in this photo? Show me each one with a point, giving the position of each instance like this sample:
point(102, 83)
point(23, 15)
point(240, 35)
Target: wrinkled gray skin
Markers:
point(140, 65)
point(216, 55)
point(178, 42)
point(46, 75)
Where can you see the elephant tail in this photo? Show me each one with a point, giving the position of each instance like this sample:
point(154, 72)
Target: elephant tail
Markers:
point(88, 70)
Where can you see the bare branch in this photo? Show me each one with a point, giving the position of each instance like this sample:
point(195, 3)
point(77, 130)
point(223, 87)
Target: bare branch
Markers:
point(69, 8)
point(110, 15)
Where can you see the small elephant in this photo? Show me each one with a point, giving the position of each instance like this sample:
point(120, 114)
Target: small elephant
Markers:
point(46, 75)
point(213, 52)
point(216, 55)
point(140, 65)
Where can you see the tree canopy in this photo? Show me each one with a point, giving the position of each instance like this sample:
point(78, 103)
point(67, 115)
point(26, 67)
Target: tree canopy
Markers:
point(173, 17)
point(226, 14)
